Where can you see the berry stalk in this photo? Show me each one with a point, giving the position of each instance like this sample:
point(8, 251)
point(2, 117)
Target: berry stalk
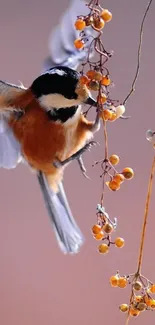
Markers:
point(146, 216)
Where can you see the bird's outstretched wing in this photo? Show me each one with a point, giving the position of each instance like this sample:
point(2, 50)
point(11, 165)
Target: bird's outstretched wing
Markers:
point(61, 41)
point(8, 91)
point(10, 152)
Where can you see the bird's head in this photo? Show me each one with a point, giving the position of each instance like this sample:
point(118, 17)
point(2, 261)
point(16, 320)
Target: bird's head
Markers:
point(59, 87)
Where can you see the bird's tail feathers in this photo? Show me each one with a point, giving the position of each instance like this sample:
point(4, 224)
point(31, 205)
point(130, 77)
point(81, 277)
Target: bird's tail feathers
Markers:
point(67, 232)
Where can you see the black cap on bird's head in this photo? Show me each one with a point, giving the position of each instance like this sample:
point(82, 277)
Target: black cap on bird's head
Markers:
point(60, 87)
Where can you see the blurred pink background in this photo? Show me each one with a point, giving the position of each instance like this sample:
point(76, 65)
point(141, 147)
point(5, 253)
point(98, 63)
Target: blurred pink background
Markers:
point(38, 284)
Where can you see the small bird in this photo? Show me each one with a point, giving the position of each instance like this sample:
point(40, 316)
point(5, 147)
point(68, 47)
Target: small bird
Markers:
point(43, 126)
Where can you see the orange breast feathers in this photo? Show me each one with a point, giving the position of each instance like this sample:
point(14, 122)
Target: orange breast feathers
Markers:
point(43, 140)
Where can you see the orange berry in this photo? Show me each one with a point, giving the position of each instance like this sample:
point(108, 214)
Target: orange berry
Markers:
point(137, 285)
point(80, 24)
point(119, 178)
point(134, 312)
point(96, 229)
point(106, 15)
point(101, 99)
point(97, 76)
point(98, 23)
point(138, 298)
point(119, 242)
point(114, 186)
point(114, 159)
point(147, 300)
point(124, 308)
point(113, 117)
point(103, 248)
point(108, 228)
point(84, 80)
point(99, 236)
point(152, 288)
point(93, 85)
point(79, 44)
point(152, 303)
point(105, 81)
point(89, 20)
point(141, 306)
point(114, 281)
point(106, 114)
point(122, 282)
point(128, 173)
point(90, 74)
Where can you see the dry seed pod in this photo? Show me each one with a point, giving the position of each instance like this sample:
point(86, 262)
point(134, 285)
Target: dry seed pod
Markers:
point(93, 85)
point(98, 23)
point(137, 285)
point(124, 308)
point(108, 228)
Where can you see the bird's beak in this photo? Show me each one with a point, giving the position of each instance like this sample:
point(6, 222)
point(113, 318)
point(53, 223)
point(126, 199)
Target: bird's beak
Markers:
point(90, 101)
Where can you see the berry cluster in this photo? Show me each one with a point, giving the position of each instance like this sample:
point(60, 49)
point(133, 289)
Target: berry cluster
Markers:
point(96, 19)
point(142, 289)
point(97, 78)
point(93, 79)
point(103, 231)
point(99, 81)
point(117, 178)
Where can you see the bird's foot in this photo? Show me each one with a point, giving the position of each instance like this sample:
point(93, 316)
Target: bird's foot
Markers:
point(78, 155)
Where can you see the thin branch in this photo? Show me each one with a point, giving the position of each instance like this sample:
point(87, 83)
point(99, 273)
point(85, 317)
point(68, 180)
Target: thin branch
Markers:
point(106, 156)
point(143, 230)
point(105, 139)
point(146, 216)
point(139, 54)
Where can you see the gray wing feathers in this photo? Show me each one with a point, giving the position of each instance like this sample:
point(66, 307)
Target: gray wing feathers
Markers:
point(9, 90)
point(10, 151)
point(67, 232)
point(61, 42)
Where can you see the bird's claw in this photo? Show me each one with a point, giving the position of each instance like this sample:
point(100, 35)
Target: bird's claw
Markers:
point(89, 145)
point(77, 155)
point(57, 164)
point(82, 167)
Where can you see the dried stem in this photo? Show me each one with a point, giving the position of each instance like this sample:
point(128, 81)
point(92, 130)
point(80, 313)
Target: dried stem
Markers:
point(139, 54)
point(128, 317)
point(105, 139)
point(144, 228)
point(146, 216)
point(106, 156)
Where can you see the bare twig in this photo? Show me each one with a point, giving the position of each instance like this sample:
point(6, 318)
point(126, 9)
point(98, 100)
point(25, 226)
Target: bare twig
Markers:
point(138, 272)
point(146, 216)
point(139, 54)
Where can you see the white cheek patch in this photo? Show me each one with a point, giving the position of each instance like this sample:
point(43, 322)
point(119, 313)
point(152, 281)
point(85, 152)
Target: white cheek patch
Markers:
point(57, 101)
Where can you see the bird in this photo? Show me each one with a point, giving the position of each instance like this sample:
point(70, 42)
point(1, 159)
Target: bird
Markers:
point(43, 127)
